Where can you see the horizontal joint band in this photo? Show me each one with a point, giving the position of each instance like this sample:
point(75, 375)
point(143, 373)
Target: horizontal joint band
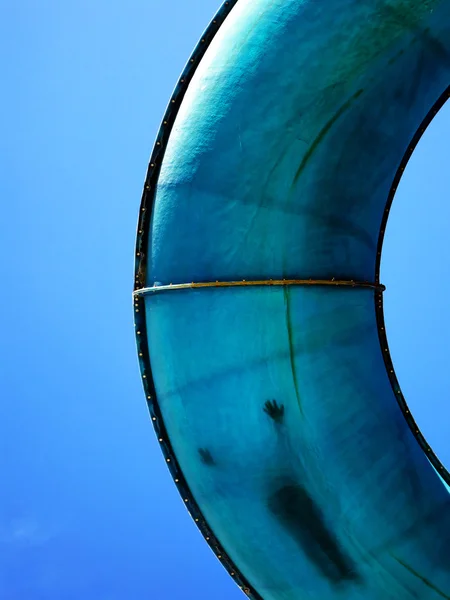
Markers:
point(269, 282)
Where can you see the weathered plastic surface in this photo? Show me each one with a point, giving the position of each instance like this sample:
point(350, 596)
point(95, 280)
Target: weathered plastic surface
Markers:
point(276, 405)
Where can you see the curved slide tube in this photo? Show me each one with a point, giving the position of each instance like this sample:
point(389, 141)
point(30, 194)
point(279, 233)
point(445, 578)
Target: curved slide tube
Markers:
point(258, 305)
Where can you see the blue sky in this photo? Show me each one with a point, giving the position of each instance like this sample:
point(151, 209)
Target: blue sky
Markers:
point(88, 509)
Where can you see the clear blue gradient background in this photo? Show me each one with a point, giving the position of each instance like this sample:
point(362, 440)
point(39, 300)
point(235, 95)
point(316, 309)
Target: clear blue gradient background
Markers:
point(87, 506)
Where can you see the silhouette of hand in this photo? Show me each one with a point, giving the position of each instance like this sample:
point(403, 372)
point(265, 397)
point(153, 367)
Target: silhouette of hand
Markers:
point(274, 410)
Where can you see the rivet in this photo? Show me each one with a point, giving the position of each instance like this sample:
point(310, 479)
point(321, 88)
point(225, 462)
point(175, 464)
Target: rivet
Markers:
point(144, 376)
point(186, 499)
point(138, 332)
point(154, 419)
point(177, 480)
point(168, 460)
point(160, 439)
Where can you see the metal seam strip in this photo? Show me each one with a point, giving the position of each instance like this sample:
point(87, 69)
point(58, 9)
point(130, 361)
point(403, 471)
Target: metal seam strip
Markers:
point(262, 282)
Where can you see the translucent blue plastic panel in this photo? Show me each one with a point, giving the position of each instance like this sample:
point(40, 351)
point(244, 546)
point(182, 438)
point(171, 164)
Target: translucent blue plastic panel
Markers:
point(274, 405)
point(279, 409)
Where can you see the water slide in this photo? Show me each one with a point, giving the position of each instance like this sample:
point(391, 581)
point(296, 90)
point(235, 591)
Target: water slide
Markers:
point(259, 307)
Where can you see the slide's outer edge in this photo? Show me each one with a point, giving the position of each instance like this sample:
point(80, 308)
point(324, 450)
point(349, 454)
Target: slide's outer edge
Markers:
point(141, 252)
